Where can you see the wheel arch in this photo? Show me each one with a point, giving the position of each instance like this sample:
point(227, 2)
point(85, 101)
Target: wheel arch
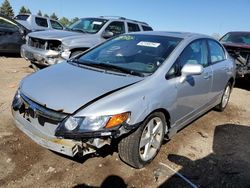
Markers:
point(165, 113)
point(231, 81)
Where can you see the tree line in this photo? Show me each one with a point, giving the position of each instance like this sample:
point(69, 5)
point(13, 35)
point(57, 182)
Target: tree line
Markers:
point(7, 10)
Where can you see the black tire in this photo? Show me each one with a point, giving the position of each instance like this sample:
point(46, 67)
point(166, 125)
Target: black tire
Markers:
point(129, 148)
point(223, 104)
point(75, 53)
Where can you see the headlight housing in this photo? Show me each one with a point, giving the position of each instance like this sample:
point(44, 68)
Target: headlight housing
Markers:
point(66, 54)
point(17, 101)
point(79, 125)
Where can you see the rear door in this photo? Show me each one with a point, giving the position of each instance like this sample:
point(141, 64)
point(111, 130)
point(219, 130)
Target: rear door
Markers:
point(219, 66)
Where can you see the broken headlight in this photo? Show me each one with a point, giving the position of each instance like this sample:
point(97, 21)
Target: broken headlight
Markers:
point(17, 101)
point(91, 123)
point(66, 54)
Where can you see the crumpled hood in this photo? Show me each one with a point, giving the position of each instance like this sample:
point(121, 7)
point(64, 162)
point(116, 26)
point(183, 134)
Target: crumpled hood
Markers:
point(69, 38)
point(65, 87)
point(236, 45)
point(54, 34)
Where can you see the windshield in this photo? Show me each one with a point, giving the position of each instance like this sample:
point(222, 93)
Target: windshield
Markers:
point(241, 38)
point(136, 53)
point(88, 25)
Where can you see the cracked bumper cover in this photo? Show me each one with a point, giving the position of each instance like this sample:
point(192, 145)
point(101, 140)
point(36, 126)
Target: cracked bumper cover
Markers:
point(41, 56)
point(64, 146)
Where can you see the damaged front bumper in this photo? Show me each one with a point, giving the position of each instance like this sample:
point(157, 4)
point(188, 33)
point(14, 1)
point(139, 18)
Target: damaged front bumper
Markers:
point(40, 56)
point(69, 147)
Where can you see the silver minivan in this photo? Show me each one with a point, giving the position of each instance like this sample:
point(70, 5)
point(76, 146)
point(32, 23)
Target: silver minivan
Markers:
point(133, 90)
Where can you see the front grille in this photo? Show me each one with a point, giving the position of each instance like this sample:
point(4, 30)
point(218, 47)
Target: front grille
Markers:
point(45, 44)
point(43, 114)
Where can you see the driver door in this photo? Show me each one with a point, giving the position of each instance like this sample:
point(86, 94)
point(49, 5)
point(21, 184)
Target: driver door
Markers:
point(193, 94)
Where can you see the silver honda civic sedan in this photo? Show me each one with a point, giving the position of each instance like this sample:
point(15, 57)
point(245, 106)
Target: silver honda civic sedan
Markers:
point(132, 90)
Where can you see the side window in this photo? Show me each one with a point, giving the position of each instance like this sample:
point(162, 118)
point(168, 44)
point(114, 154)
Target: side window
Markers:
point(196, 53)
point(116, 27)
point(216, 52)
point(41, 22)
point(55, 25)
point(146, 28)
point(7, 24)
point(133, 27)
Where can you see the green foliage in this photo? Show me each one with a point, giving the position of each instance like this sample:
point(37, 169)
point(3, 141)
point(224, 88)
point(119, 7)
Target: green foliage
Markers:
point(28, 11)
point(24, 10)
point(74, 20)
point(64, 21)
point(39, 13)
point(54, 16)
point(6, 9)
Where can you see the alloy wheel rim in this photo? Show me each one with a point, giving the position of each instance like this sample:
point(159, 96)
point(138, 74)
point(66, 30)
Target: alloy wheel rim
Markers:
point(151, 138)
point(225, 97)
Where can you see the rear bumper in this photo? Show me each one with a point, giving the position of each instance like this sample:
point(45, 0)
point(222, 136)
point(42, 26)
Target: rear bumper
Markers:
point(65, 146)
point(40, 56)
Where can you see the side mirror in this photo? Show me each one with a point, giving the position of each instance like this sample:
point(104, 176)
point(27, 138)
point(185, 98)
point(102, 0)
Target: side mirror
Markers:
point(190, 69)
point(107, 34)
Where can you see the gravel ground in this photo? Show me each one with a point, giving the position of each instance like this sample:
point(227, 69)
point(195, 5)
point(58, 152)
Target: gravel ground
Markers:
point(213, 151)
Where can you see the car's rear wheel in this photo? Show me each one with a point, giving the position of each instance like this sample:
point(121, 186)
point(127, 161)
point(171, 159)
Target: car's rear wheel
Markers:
point(141, 147)
point(225, 98)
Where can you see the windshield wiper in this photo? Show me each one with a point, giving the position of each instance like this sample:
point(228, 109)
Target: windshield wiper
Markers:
point(107, 67)
point(77, 29)
point(120, 69)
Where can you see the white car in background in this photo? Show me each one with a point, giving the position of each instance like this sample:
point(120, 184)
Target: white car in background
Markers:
point(38, 23)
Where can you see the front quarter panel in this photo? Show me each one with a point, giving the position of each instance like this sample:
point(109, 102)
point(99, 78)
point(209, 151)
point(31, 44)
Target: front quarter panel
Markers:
point(140, 99)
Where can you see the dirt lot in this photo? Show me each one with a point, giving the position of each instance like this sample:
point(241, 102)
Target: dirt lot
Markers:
point(212, 151)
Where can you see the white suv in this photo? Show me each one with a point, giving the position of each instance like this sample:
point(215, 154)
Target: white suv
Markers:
point(50, 47)
point(38, 23)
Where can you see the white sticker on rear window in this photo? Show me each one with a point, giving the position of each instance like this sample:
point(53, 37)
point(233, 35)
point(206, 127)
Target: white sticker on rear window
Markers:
point(149, 44)
point(97, 23)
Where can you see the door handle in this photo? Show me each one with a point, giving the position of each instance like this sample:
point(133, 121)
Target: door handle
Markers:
point(207, 76)
point(226, 68)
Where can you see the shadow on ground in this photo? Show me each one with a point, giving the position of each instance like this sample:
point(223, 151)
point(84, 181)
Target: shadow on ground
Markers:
point(227, 166)
point(109, 182)
point(13, 55)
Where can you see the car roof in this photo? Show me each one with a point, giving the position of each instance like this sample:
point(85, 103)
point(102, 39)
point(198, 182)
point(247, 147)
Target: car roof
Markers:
point(239, 32)
point(119, 18)
point(172, 34)
point(14, 21)
point(34, 15)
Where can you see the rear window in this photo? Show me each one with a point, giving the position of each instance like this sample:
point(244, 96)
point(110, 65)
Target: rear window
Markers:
point(216, 52)
point(133, 27)
point(55, 25)
point(41, 22)
point(22, 17)
point(146, 28)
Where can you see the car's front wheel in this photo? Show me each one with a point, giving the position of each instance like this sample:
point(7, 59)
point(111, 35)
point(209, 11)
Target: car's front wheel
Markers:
point(140, 147)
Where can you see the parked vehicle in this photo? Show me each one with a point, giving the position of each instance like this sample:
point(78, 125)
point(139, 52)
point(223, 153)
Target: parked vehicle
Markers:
point(38, 23)
point(12, 35)
point(51, 47)
point(238, 46)
point(133, 89)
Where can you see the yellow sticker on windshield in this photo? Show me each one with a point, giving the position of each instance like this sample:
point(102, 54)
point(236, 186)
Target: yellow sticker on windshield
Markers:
point(148, 44)
point(125, 37)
